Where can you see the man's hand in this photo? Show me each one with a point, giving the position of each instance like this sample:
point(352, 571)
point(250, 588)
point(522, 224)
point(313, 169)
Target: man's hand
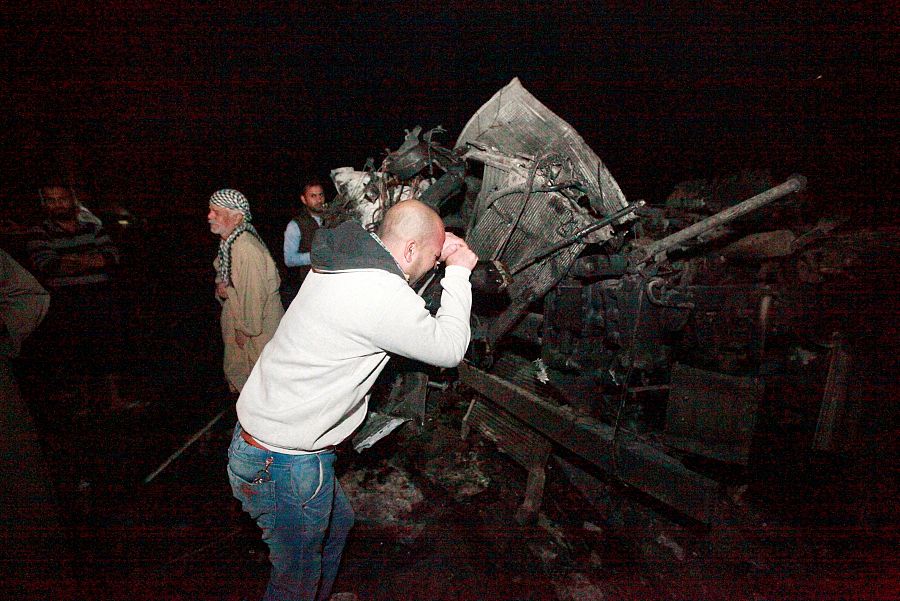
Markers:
point(240, 339)
point(78, 263)
point(457, 252)
point(95, 261)
point(222, 290)
point(451, 243)
point(71, 265)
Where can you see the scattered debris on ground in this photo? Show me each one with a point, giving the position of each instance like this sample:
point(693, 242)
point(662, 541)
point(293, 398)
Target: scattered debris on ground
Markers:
point(384, 495)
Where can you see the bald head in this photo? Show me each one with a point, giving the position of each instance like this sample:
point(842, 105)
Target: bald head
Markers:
point(409, 219)
point(414, 234)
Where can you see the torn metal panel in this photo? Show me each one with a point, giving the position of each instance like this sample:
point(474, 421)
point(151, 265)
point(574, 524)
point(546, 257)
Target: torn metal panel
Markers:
point(409, 395)
point(377, 426)
point(536, 169)
point(408, 399)
point(712, 414)
point(633, 461)
point(519, 125)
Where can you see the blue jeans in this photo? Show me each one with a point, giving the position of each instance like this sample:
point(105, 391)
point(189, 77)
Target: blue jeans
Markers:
point(303, 513)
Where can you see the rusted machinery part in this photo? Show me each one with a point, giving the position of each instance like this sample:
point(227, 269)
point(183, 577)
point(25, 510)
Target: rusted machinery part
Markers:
point(656, 251)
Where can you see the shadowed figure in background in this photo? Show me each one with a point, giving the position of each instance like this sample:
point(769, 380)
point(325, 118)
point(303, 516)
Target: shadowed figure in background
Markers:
point(29, 520)
point(81, 338)
point(310, 389)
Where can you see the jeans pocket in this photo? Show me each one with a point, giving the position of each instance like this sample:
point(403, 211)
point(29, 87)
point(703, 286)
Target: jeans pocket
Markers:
point(257, 498)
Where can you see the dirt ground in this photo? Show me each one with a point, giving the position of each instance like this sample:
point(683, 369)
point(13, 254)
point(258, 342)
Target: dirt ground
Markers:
point(434, 522)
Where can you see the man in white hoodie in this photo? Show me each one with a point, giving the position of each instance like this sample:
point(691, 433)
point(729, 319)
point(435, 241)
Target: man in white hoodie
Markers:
point(309, 390)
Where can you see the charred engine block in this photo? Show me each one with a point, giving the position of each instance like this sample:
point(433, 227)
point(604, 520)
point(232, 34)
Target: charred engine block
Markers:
point(622, 335)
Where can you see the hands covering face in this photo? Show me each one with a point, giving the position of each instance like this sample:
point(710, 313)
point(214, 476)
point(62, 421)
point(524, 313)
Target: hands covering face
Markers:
point(457, 252)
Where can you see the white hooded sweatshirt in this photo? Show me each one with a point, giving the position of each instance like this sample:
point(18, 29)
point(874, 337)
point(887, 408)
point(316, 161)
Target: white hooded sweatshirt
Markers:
point(309, 389)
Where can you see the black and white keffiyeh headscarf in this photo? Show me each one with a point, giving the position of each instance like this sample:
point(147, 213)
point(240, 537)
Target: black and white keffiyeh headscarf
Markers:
point(231, 199)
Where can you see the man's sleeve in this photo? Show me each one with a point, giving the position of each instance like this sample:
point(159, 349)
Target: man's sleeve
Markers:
point(106, 247)
point(441, 340)
point(23, 304)
point(247, 295)
point(44, 258)
point(292, 255)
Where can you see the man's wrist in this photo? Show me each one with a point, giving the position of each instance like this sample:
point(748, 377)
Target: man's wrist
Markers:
point(457, 271)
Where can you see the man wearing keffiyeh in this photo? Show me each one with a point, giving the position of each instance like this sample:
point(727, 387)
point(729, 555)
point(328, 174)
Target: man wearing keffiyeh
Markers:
point(247, 285)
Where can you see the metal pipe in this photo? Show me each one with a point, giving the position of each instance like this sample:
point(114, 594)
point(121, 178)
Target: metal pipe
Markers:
point(657, 250)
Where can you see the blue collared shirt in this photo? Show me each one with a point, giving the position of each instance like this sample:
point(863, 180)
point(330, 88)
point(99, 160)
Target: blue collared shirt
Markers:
point(292, 236)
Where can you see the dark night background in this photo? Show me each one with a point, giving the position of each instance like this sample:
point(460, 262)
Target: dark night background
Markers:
point(153, 107)
point(161, 105)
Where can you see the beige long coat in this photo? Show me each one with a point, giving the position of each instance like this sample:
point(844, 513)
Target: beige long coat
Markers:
point(253, 307)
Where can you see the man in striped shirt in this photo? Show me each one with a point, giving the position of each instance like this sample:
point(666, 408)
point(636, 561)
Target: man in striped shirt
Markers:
point(69, 249)
point(72, 256)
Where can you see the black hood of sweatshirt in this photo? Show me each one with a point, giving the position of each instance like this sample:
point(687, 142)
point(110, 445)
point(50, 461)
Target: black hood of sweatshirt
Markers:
point(349, 247)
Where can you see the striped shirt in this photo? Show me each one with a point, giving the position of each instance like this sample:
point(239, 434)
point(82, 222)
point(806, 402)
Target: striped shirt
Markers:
point(49, 244)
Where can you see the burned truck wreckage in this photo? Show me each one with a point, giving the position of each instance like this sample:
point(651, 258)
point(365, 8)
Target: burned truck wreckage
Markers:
point(641, 339)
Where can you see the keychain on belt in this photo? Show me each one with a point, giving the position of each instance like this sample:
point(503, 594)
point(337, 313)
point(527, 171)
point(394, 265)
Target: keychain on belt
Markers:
point(263, 474)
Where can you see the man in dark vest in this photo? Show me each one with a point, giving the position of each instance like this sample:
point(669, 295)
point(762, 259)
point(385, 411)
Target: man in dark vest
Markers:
point(298, 237)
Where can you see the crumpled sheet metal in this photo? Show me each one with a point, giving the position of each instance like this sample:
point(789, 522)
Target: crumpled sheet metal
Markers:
point(518, 138)
point(519, 125)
